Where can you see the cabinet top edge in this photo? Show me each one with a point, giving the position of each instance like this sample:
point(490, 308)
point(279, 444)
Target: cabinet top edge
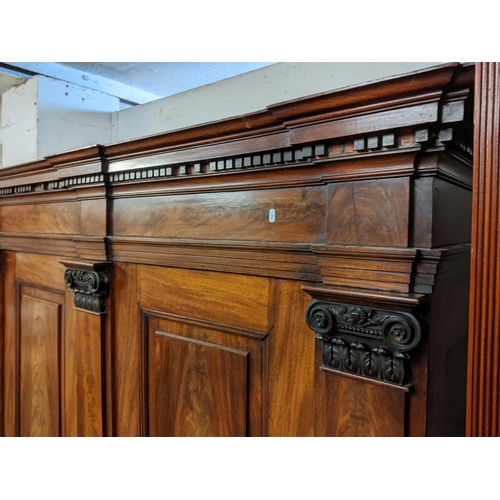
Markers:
point(274, 124)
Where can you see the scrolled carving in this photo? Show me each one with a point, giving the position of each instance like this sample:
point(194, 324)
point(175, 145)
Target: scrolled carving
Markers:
point(401, 334)
point(368, 342)
point(321, 318)
point(91, 288)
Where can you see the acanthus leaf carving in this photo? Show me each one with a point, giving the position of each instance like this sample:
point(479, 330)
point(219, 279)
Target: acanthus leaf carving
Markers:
point(369, 342)
point(91, 288)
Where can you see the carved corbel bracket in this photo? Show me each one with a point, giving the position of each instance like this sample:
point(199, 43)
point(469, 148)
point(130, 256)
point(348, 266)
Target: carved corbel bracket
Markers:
point(364, 341)
point(90, 284)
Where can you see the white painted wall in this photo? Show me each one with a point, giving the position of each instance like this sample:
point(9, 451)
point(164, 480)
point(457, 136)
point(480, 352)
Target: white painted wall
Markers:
point(247, 93)
point(71, 116)
point(45, 116)
point(6, 82)
point(19, 123)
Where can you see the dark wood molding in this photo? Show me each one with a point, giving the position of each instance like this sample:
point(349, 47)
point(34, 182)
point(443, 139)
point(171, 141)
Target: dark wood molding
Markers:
point(401, 301)
point(483, 397)
point(380, 93)
point(244, 332)
point(231, 129)
point(269, 138)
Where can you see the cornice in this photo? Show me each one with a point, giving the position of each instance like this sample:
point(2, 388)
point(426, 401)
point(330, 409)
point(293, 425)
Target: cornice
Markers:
point(386, 117)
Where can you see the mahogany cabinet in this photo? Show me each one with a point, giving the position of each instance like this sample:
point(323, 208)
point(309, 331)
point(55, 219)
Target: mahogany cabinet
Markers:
point(300, 271)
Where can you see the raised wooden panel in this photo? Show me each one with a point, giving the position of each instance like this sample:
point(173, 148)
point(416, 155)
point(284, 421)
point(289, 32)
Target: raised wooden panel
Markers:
point(196, 388)
point(374, 213)
point(40, 383)
point(83, 373)
point(33, 337)
point(201, 381)
point(240, 301)
point(58, 218)
point(356, 407)
point(243, 215)
point(228, 312)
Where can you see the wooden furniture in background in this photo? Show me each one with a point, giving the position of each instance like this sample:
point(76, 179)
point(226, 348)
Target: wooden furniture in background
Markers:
point(483, 398)
point(174, 285)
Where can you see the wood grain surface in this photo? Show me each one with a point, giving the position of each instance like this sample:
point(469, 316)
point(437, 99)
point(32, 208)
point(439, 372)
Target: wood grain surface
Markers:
point(58, 218)
point(40, 382)
point(299, 216)
point(362, 408)
point(10, 373)
point(227, 299)
point(369, 213)
point(94, 217)
point(203, 385)
point(483, 387)
point(199, 380)
point(42, 270)
point(127, 342)
point(384, 120)
point(291, 363)
point(83, 376)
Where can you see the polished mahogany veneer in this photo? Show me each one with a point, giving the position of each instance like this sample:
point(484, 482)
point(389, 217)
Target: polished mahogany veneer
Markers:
point(300, 271)
point(483, 397)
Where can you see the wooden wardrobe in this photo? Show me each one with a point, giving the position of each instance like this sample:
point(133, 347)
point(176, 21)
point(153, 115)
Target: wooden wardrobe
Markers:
point(299, 271)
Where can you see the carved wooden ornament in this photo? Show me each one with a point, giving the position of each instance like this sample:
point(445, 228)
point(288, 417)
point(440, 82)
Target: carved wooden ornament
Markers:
point(372, 343)
point(91, 288)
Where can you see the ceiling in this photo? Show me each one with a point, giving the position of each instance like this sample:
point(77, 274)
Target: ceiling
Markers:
point(135, 82)
point(166, 78)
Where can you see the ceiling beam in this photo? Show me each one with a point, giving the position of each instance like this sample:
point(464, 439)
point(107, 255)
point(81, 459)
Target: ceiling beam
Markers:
point(124, 92)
